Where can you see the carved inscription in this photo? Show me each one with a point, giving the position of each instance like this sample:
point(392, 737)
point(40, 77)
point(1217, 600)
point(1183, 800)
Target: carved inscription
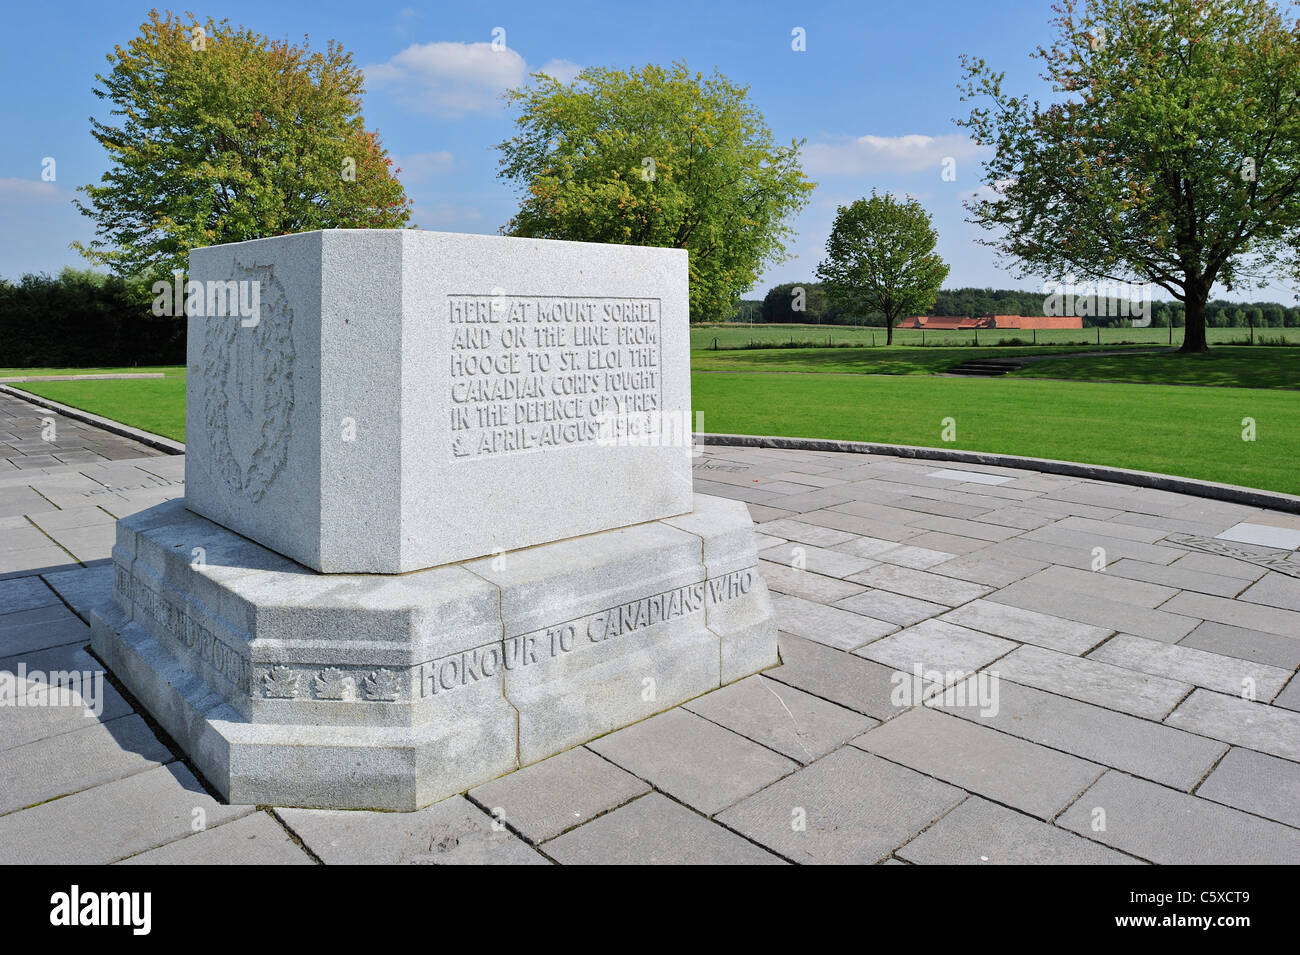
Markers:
point(535, 371)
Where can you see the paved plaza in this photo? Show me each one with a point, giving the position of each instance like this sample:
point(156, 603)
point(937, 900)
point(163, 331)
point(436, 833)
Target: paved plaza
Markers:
point(979, 665)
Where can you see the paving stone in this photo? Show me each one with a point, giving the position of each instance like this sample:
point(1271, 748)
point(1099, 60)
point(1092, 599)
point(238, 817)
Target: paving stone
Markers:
point(1151, 750)
point(979, 832)
point(77, 760)
point(1015, 772)
point(24, 593)
point(1189, 665)
point(256, 839)
point(795, 530)
point(1115, 527)
point(858, 809)
point(693, 760)
point(1165, 624)
point(838, 676)
point(1027, 626)
point(1289, 697)
point(780, 717)
point(1268, 729)
point(1245, 644)
point(1103, 585)
point(20, 725)
point(39, 629)
point(1219, 565)
point(973, 477)
point(995, 570)
point(108, 822)
point(1173, 828)
point(1266, 535)
point(918, 558)
point(827, 624)
point(1274, 590)
point(973, 530)
point(1093, 681)
point(921, 585)
point(948, 543)
point(860, 546)
point(1236, 613)
point(547, 798)
point(451, 832)
point(804, 583)
point(894, 608)
point(654, 830)
point(1258, 783)
point(1177, 576)
point(1115, 547)
point(819, 560)
point(938, 646)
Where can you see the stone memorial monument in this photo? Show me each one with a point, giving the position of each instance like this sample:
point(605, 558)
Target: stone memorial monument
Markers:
point(438, 520)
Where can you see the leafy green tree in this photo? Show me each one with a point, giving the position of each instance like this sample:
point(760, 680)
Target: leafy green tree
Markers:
point(1170, 148)
point(880, 257)
point(225, 136)
point(659, 157)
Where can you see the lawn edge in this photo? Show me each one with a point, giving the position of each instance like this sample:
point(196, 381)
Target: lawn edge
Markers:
point(156, 441)
point(1233, 493)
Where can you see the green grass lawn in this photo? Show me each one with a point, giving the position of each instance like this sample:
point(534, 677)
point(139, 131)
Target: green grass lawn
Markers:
point(168, 370)
point(898, 360)
point(1227, 366)
point(1194, 432)
point(153, 404)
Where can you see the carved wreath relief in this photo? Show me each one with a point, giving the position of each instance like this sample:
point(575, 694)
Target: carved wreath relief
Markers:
point(247, 386)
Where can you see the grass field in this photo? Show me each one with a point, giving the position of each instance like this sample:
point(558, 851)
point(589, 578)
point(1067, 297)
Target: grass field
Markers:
point(1228, 366)
point(153, 404)
point(737, 336)
point(134, 370)
point(859, 361)
point(1192, 431)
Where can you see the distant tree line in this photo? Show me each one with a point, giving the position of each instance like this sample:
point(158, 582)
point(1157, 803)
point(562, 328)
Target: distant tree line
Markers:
point(83, 318)
point(807, 302)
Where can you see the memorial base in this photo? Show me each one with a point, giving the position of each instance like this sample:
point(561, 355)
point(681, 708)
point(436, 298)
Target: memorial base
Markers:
point(290, 687)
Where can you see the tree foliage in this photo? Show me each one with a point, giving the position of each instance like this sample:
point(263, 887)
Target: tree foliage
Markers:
point(658, 157)
point(226, 136)
point(880, 258)
point(1170, 151)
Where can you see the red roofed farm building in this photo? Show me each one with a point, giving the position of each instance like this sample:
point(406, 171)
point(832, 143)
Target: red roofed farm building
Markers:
point(959, 322)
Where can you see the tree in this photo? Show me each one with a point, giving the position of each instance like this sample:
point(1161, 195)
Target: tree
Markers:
point(229, 136)
point(880, 257)
point(1170, 151)
point(658, 157)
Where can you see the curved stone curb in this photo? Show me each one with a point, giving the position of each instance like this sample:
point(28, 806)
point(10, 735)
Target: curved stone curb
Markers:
point(148, 438)
point(1097, 472)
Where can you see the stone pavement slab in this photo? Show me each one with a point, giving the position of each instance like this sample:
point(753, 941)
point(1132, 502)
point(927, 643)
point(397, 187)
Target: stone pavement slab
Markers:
point(849, 807)
point(1027, 626)
point(940, 646)
point(979, 832)
point(558, 794)
point(1169, 827)
point(1087, 679)
point(1245, 644)
point(1256, 725)
point(255, 839)
point(654, 830)
point(832, 626)
point(835, 675)
point(1257, 783)
point(1214, 671)
point(805, 584)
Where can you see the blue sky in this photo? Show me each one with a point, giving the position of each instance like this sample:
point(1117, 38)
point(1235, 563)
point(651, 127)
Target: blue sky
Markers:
point(874, 94)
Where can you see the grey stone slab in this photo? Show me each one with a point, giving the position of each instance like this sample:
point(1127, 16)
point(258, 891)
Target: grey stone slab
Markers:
point(979, 832)
point(1221, 566)
point(895, 608)
point(795, 724)
point(1165, 624)
point(1027, 626)
point(547, 798)
point(819, 560)
point(110, 822)
point(654, 830)
point(1169, 827)
point(995, 570)
point(24, 593)
point(1177, 576)
point(918, 558)
point(948, 543)
point(256, 839)
point(1274, 590)
point(1268, 729)
point(1213, 671)
point(1142, 747)
point(1266, 535)
point(795, 530)
point(975, 530)
point(77, 677)
point(934, 588)
point(1115, 527)
point(863, 526)
point(860, 546)
point(1103, 585)
point(972, 477)
point(830, 625)
point(840, 677)
point(1235, 613)
point(806, 584)
point(84, 588)
point(849, 807)
point(693, 760)
point(1258, 783)
point(451, 832)
point(1246, 644)
point(1018, 773)
point(1115, 547)
point(80, 759)
point(934, 645)
point(1290, 696)
point(1093, 681)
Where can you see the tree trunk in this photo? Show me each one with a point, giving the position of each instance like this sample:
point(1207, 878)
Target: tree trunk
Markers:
point(1194, 324)
point(889, 331)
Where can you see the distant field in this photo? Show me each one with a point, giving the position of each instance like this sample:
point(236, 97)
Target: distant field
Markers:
point(737, 336)
point(861, 361)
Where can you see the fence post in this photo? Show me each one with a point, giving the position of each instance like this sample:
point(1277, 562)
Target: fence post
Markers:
point(1035, 336)
point(715, 344)
point(1098, 334)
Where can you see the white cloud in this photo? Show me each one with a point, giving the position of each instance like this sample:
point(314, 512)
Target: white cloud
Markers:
point(865, 155)
point(418, 167)
point(562, 70)
point(449, 79)
point(29, 190)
